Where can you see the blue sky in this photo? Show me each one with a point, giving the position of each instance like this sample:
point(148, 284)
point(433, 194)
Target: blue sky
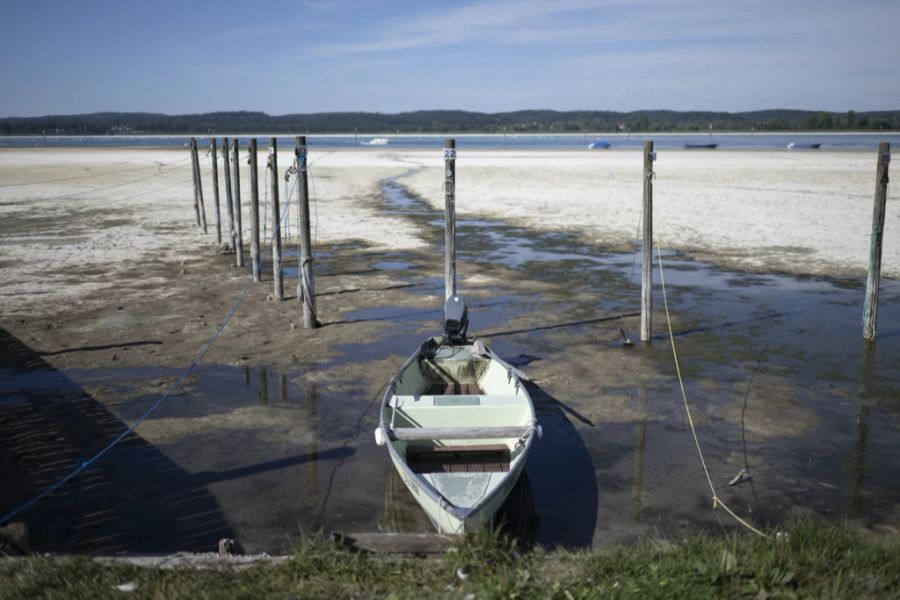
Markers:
point(64, 57)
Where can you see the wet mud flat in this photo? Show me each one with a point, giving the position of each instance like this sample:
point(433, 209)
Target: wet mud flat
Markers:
point(272, 434)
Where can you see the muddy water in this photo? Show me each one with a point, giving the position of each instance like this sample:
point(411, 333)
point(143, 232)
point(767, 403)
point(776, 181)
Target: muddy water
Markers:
point(780, 383)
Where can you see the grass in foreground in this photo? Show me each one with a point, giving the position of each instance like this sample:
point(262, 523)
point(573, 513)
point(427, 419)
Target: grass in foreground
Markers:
point(812, 560)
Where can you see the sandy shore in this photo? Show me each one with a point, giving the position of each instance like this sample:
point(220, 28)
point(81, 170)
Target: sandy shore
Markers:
point(805, 213)
point(801, 212)
point(98, 208)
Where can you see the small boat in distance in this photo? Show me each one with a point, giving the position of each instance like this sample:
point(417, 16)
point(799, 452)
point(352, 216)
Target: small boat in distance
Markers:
point(700, 146)
point(812, 146)
point(599, 145)
point(379, 141)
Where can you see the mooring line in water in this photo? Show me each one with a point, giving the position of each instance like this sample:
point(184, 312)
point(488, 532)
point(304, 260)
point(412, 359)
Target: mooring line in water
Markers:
point(717, 502)
point(87, 463)
point(346, 443)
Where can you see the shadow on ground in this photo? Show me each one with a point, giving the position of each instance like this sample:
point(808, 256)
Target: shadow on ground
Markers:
point(133, 499)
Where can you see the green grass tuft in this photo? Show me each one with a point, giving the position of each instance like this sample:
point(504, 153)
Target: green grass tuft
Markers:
point(810, 559)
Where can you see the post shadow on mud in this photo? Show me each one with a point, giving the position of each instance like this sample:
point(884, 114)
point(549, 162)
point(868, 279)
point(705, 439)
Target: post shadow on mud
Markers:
point(134, 499)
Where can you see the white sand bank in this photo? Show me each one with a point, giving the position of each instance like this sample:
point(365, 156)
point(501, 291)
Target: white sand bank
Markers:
point(66, 211)
point(800, 212)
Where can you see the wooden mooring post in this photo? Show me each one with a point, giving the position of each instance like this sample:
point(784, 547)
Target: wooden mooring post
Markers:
point(238, 226)
point(198, 187)
point(254, 212)
point(306, 286)
point(276, 220)
point(215, 175)
point(449, 218)
point(873, 281)
point(647, 265)
point(196, 179)
point(229, 199)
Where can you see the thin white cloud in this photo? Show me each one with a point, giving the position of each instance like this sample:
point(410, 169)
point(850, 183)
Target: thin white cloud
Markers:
point(469, 23)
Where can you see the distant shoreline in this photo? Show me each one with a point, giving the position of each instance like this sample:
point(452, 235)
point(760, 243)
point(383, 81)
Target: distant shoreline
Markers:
point(437, 122)
point(590, 134)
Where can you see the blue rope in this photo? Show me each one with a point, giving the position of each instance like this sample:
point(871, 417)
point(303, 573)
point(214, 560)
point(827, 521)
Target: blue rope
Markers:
point(87, 463)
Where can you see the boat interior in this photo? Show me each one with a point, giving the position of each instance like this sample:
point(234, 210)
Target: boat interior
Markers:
point(450, 394)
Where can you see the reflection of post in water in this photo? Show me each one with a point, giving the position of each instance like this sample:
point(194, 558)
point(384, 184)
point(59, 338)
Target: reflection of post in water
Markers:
point(283, 388)
point(245, 371)
point(859, 467)
point(263, 386)
point(640, 440)
point(312, 473)
point(866, 371)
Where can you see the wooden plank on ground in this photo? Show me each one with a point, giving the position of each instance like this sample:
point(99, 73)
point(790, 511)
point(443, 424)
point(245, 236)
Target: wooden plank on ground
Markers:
point(395, 543)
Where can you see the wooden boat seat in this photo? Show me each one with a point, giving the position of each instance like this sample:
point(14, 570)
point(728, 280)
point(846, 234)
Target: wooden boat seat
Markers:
point(459, 459)
point(444, 388)
point(458, 433)
point(426, 401)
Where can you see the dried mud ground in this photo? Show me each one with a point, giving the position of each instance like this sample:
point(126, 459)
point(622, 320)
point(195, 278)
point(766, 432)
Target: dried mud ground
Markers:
point(271, 434)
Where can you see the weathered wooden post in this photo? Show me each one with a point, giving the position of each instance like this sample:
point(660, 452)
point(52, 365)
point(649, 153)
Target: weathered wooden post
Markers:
point(873, 282)
point(238, 232)
point(449, 218)
point(306, 286)
point(646, 268)
point(215, 174)
point(195, 175)
point(254, 211)
point(200, 189)
point(229, 199)
point(276, 220)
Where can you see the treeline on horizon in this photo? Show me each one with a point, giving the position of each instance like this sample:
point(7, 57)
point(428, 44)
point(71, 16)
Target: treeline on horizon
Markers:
point(456, 121)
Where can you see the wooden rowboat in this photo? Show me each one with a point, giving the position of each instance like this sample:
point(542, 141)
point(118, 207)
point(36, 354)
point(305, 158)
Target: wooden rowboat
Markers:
point(456, 419)
point(458, 424)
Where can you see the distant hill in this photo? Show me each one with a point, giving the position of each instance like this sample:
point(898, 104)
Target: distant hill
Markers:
point(457, 121)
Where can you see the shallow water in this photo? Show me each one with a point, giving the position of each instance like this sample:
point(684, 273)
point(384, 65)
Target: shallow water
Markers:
point(775, 370)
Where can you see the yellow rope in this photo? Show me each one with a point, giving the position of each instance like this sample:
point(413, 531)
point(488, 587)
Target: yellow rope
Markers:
point(716, 500)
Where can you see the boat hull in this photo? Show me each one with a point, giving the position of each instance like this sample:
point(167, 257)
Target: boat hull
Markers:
point(445, 428)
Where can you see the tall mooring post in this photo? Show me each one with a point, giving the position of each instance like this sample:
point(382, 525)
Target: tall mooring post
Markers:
point(276, 220)
point(254, 212)
point(194, 162)
point(238, 226)
point(306, 286)
point(449, 218)
point(198, 187)
point(647, 265)
point(873, 282)
point(229, 199)
point(215, 175)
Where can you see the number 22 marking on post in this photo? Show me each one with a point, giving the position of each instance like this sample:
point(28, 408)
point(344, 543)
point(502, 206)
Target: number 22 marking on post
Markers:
point(450, 153)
